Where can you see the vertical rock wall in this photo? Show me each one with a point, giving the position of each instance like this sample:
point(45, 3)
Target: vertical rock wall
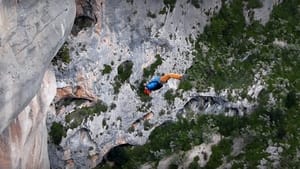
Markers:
point(31, 32)
point(24, 143)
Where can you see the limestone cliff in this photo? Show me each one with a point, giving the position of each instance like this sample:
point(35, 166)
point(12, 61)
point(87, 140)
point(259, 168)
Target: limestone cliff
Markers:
point(31, 32)
point(24, 143)
point(133, 35)
point(99, 106)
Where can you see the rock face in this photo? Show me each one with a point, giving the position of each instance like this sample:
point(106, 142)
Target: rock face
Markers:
point(135, 32)
point(262, 14)
point(127, 32)
point(24, 143)
point(215, 105)
point(31, 32)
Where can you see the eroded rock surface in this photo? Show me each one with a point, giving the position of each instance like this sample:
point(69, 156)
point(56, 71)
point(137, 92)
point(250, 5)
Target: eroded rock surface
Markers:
point(31, 32)
point(24, 143)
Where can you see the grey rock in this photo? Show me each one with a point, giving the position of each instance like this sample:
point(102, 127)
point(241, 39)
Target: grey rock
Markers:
point(206, 104)
point(31, 34)
point(23, 144)
point(261, 14)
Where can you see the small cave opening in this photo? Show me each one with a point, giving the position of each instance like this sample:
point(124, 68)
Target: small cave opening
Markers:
point(82, 22)
point(116, 157)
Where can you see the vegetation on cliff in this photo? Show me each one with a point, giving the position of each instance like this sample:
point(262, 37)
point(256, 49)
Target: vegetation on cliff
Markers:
point(230, 54)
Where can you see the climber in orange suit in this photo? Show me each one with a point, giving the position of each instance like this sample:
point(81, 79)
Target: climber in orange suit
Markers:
point(157, 82)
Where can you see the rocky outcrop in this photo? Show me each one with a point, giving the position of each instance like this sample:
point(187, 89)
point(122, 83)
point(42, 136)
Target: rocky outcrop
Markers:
point(24, 143)
point(78, 92)
point(212, 104)
point(261, 14)
point(31, 34)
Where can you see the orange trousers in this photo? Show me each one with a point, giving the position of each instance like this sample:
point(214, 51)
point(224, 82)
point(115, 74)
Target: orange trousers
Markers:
point(168, 76)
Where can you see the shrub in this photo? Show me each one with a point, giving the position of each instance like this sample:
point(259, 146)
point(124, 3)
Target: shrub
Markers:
point(62, 55)
point(107, 69)
point(124, 72)
point(169, 96)
point(149, 71)
point(194, 164)
point(56, 133)
point(290, 100)
point(163, 11)
point(218, 152)
point(170, 4)
point(254, 4)
point(76, 117)
point(185, 85)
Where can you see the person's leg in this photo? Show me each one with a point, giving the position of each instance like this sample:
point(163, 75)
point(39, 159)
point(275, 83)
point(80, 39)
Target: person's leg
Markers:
point(168, 76)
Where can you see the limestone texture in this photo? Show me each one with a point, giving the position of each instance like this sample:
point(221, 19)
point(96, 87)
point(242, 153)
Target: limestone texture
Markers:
point(24, 143)
point(31, 33)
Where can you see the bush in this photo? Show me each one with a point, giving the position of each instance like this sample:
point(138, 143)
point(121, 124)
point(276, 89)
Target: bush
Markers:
point(254, 4)
point(149, 71)
point(169, 96)
point(290, 100)
point(163, 11)
point(107, 69)
point(56, 133)
point(124, 70)
point(218, 152)
point(194, 164)
point(170, 4)
point(76, 117)
point(185, 85)
point(229, 125)
point(62, 55)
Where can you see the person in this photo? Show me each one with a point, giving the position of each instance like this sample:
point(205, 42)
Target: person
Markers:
point(157, 82)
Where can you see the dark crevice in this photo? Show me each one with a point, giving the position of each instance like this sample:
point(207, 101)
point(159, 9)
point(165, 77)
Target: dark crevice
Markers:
point(82, 22)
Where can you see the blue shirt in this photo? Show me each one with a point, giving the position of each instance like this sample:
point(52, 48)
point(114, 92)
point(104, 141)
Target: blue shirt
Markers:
point(154, 84)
